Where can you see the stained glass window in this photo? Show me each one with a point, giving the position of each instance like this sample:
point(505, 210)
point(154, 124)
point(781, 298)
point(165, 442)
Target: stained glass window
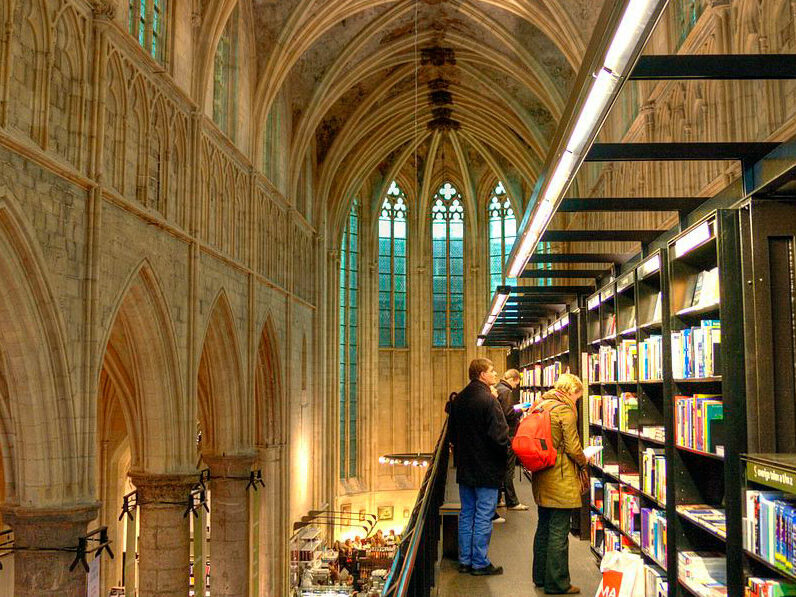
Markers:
point(502, 232)
point(349, 285)
point(392, 269)
point(225, 78)
point(447, 245)
point(146, 24)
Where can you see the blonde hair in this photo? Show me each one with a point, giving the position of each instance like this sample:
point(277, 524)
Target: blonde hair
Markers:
point(511, 374)
point(569, 383)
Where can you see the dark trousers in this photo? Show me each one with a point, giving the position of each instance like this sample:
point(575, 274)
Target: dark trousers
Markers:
point(508, 481)
point(551, 550)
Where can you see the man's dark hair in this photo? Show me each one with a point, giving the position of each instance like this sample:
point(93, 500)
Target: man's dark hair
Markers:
point(478, 366)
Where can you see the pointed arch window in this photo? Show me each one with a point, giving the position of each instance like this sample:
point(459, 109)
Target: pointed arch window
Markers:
point(447, 244)
point(349, 326)
point(147, 23)
point(502, 232)
point(392, 269)
point(225, 67)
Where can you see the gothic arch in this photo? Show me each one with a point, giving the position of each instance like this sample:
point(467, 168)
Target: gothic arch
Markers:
point(140, 359)
point(270, 414)
point(114, 125)
point(42, 461)
point(222, 413)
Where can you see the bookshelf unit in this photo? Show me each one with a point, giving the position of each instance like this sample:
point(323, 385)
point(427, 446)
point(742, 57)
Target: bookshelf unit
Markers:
point(622, 315)
point(546, 354)
point(689, 390)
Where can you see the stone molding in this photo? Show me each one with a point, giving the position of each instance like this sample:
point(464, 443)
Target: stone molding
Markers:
point(225, 466)
point(163, 489)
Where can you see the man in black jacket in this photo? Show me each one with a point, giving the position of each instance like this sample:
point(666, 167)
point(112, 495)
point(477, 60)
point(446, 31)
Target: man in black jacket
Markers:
point(480, 439)
point(505, 390)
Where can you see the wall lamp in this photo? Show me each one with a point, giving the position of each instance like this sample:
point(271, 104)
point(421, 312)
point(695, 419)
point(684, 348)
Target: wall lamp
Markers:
point(627, 27)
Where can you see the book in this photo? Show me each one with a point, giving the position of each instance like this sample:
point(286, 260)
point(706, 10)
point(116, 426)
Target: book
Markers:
point(653, 534)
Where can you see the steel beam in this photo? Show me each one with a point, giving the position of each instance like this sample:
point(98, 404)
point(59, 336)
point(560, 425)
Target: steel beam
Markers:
point(579, 258)
point(560, 289)
point(642, 152)
point(715, 66)
point(577, 204)
point(564, 273)
point(642, 236)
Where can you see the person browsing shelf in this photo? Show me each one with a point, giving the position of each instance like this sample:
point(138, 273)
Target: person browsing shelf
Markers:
point(480, 438)
point(557, 490)
point(505, 390)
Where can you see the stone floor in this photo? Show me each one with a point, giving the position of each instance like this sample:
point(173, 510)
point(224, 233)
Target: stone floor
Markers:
point(511, 548)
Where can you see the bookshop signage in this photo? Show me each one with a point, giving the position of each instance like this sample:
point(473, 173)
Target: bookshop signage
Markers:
point(771, 476)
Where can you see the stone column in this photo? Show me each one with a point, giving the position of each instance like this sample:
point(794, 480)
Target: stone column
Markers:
point(163, 534)
point(45, 573)
point(229, 524)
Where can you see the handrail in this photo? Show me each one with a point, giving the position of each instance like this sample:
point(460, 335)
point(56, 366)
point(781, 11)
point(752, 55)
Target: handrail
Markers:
point(408, 575)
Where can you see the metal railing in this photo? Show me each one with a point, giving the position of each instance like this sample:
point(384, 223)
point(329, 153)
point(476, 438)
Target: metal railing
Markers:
point(412, 572)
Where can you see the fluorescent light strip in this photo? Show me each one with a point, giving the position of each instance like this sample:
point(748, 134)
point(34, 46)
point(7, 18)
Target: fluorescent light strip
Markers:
point(632, 25)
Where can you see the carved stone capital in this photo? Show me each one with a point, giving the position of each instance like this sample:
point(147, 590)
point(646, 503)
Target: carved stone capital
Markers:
point(163, 489)
point(230, 465)
point(48, 527)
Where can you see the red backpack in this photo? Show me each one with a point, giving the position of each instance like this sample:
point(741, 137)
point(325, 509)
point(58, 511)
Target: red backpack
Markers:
point(533, 442)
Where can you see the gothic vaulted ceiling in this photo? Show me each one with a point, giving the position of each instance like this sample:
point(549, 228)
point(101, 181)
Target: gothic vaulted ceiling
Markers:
point(382, 89)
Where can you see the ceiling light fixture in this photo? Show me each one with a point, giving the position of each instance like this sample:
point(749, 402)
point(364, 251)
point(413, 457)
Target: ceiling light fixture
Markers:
point(498, 302)
point(629, 34)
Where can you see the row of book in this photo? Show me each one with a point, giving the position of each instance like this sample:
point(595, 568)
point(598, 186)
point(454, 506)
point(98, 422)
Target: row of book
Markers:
point(653, 534)
point(551, 372)
point(655, 584)
point(696, 420)
point(531, 376)
point(627, 355)
point(770, 527)
point(696, 351)
point(702, 290)
point(704, 573)
point(650, 361)
point(614, 412)
point(713, 519)
point(767, 587)
point(597, 459)
point(603, 365)
point(530, 396)
point(653, 477)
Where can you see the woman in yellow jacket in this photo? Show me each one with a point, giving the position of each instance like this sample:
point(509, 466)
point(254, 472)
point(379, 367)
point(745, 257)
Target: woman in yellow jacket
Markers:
point(557, 490)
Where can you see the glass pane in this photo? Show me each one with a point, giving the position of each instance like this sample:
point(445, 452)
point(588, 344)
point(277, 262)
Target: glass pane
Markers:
point(457, 337)
point(457, 284)
point(384, 319)
point(400, 319)
point(440, 285)
point(384, 265)
point(440, 320)
point(400, 301)
point(384, 246)
point(399, 266)
point(457, 267)
point(400, 229)
point(400, 338)
point(384, 337)
point(457, 248)
point(439, 230)
point(400, 247)
point(384, 300)
point(400, 283)
point(440, 248)
point(440, 267)
point(440, 304)
point(384, 228)
point(439, 338)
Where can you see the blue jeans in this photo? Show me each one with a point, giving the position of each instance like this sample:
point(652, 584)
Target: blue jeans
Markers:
point(475, 524)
